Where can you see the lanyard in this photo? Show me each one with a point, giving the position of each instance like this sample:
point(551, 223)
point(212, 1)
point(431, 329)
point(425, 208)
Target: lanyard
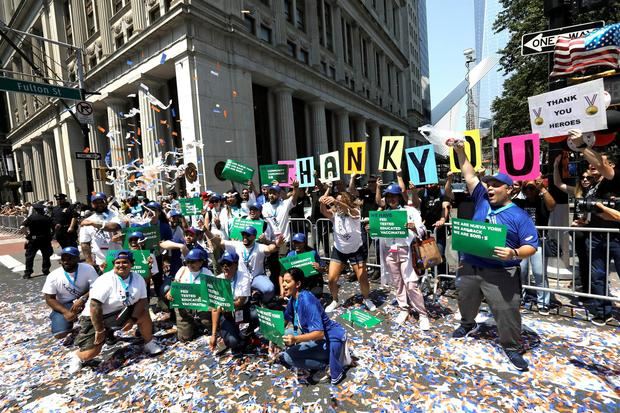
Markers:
point(295, 316)
point(247, 255)
point(126, 286)
point(234, 282)
point(193, 277)
point(493, 212)
point(72, 282)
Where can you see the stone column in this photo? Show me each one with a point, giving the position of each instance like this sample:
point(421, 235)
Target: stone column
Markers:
point(18, 158)
point(374, 146)
point(138, 9)
point(19, 97)
point(104, 13)
point(149, 125)
point(78, 22)
point(338, 43)
point(96, 145)
point(357, 57)
point(49, 152)
point(318, 127)
point(360, 129)
point(40, 170)
point(343, 129)
point(28, 172)
point(313, 31)
point(285, 123)
point(118, 145)
point(279, 24)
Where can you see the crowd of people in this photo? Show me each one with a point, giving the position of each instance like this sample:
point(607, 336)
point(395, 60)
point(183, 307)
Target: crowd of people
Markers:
point(192, 247)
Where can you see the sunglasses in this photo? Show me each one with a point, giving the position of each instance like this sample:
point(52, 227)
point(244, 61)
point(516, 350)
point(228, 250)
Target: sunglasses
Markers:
point(192, 261)
point(587, 178)
point(226, 264)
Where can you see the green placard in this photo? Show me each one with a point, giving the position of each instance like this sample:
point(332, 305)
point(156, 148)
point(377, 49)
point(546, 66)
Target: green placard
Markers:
point(191, 206)
point(220, 293)
point(34, 88)
point(388, 224)
point(477, 238)
point(151, 235)
point(239, 224)
point(237, 172)
point(270, 173)
point(189, 296)
point(140, 258)
point(271, 325)
point(302, 261)
point(361, 318)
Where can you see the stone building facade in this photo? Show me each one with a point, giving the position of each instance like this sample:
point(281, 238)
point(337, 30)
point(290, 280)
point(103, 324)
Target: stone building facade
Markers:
point(252, 80)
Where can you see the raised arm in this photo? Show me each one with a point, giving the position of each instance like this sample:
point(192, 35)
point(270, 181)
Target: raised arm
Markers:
point(593, 157)
point(352, 189)
point(469, 174)
point(449, 194)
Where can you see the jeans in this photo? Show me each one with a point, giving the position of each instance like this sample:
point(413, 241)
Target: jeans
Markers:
point(600, 266)
point(59, 323)
point(538, 263)
point(316, 355)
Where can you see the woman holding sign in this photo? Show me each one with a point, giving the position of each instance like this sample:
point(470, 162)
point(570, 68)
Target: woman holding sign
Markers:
point(318, 342)
point(348, 245)
point(314, 283)
point(396, 253)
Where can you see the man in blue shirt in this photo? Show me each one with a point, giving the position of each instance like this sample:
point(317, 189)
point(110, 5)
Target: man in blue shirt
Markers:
point(497, 280)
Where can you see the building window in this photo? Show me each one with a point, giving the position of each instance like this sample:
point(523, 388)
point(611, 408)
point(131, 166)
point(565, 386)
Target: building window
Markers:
point(288, 10)
point(300, 15)
point(352, 84)
point(378, 68)
point(385, 9)
point(364, 54)
point(349, 43)
point(117, 6)
point(304, 56)
point(154, 14)
point(292, 48)
point(389, 80)
point(332, 72)
point(398, 87)
point(119, 41)
point(323, 67)
point(90, 18)
point(67, 19)
point(266, 3)
point(92, 62)
point(129, 31)
point(264, 33)
point(250, 23)
point(324, 12)
point(395, 24)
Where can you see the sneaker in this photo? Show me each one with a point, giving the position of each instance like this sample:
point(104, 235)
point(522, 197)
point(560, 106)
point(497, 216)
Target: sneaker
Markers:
point(601, 321)
point(402, 317)
point(425, 323)
point(75, 364)
point(544, 310)
point(26, 276)
point(152, 348)
point(317, 376)
point(516, 359)
point(332, 306)
point(369, 304)
point(339, 379)
point(464, 331)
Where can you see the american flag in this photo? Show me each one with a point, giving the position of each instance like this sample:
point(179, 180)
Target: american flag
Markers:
point(599, 48)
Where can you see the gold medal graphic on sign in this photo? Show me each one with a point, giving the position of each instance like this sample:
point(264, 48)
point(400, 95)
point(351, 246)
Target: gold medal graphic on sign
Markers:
point(538, 120)
point(591, 109)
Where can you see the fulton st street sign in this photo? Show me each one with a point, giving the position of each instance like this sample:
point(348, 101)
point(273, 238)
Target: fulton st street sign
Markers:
point(33, 88)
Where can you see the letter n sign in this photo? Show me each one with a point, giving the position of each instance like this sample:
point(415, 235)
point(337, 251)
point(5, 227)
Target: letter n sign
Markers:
point(355, 158)
point(519, 156)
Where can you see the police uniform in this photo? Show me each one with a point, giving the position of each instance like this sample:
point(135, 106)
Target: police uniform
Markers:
point(62, 215)
point(39, 238)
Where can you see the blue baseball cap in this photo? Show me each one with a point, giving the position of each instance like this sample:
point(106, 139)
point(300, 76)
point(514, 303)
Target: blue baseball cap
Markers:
point(393, 189)
point(124, 254)
point(257, 207)
point(174, 213)
point(153, 205)
point(229, 256)
point(215, 198)
point(299, 237)
point(136, 234)
point(70, 251)
point(501, 177)
point(98, 196)
point(249, 230)
point(275, 188)
point(195, 255)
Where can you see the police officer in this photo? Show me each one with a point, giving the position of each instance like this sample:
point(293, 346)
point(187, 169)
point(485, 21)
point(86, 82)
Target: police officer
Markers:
point(64, 220)
point(38, 238)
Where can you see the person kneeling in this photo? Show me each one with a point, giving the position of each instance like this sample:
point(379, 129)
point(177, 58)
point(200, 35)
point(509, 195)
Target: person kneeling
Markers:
point(117, 299)
point(190, 322)
point(319, 342)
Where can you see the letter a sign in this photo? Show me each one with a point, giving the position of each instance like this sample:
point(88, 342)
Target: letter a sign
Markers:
point(473, 150)
point(330, 166)
point(355, 158)
point(519, 156)
point(391, 152)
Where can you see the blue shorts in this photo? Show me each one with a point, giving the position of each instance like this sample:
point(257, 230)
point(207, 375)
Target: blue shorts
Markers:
point(357, 257)
point(59, 323)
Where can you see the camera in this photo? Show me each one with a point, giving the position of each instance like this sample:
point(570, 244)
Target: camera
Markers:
point(589, 205)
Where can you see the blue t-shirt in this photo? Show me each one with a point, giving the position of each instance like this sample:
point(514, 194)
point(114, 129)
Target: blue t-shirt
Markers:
point(520, 229)
point(310, 316)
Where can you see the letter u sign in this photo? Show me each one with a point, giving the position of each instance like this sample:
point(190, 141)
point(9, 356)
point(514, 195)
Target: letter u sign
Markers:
point(519, 156)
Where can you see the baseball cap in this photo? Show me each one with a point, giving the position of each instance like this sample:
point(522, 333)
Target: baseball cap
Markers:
point(256, 207)
point(70, 251)
point(98, 196)
point(195, 255)
point(60, 196)
point(229, 256)
point(501, 177)
point(190, 230)
point(124, 254)
point(299, 237)
point(136, 234)
point(275, 188)
point(174, 213)
point(153, 205)
point(249, 230)
point(393, 189)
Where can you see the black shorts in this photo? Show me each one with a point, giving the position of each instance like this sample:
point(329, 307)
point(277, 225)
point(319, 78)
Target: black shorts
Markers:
point(357, 257)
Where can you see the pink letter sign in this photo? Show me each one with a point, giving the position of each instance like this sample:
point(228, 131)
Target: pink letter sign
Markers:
point(292, 172)
point(519, 156)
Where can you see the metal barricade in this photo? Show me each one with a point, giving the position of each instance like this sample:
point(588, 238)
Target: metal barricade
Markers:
point(547, 263)
point(302, 225)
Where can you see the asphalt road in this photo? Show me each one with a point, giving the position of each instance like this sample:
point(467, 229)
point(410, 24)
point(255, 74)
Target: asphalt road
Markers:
point(575, 366)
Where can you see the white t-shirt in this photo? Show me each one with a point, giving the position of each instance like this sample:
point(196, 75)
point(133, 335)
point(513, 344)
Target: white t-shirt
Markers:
point(184, 275)
point(109, 290)
point(67, 290)
point(242, 284)
point(278, 217)
point(251, 260)
point(347, 233)
point(100, 241)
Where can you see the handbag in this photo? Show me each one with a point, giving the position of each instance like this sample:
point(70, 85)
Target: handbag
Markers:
point(426, 254)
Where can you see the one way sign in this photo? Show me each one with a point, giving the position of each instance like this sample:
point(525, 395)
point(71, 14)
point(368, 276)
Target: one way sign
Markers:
point(544, 42)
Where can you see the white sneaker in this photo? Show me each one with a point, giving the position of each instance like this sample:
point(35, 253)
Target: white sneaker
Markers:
point(402, 317)
point(75, 364)
point(152, 348)
point(332, 306)
point(369, 304)
point(457, 315)
point(425, 323)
